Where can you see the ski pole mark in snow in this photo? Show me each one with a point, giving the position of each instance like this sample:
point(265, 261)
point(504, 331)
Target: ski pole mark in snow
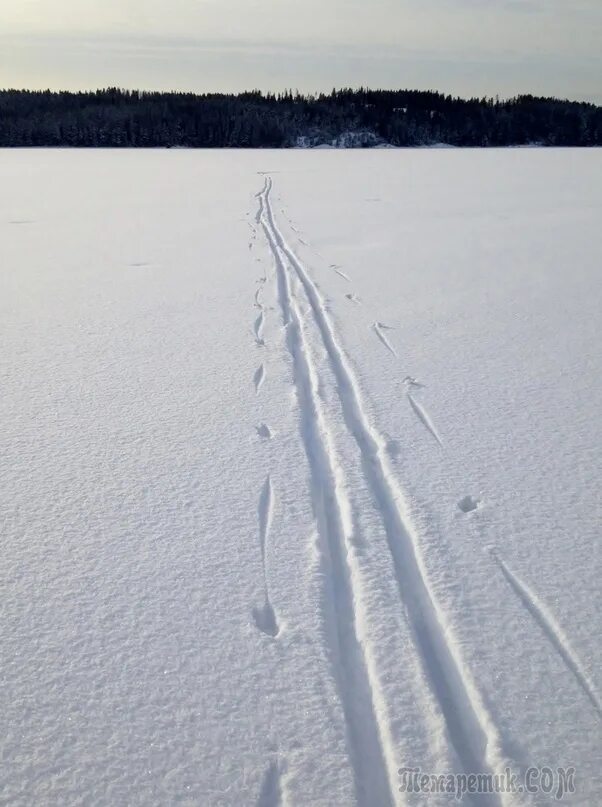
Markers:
point(378, 327)
point(265, 514)
point(259, 378)
point(264, 431)
point(556, 635)
point(290, 221)
point(265, 617)
point(393, 447)
point(299, 235)
point(408, 381)
point(353, 298)
point(265, 620)
point(468, 504)
point(353, 675)
point(270, 794)
point(470, 729)
point(258, 329)
point(423, 417)
point(337, 269)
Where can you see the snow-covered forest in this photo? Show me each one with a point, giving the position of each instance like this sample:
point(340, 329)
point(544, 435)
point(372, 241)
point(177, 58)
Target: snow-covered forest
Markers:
point(343, 118)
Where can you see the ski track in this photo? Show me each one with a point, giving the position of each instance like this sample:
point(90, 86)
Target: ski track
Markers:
point(265, 617)
point(556, 635)
point(377, 327)
point(261, 197)
point(470, 729)
point(332, 512)
point(424, 418)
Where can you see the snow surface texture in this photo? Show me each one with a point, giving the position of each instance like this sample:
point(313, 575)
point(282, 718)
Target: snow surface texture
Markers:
point(300, 477)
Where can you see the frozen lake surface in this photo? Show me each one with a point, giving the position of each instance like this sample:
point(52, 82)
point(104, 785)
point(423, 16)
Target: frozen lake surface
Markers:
point(300, 474)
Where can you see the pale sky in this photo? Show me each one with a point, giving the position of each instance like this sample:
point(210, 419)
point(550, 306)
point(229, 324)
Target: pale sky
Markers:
point(466, 47)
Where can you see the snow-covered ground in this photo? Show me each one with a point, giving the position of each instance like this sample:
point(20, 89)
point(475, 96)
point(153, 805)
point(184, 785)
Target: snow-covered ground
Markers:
point(300, 474)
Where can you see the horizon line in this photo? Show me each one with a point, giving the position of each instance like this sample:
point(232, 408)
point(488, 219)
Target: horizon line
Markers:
point(497, 98)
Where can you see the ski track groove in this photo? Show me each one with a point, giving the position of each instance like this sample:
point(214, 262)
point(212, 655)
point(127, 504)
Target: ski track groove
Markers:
point(424, 418)
point(261, 197)
point(350, 667)
point(470, 729)
point(553, 631)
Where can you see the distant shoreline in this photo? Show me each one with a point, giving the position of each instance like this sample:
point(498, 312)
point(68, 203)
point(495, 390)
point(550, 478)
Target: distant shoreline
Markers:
point(115, 118)
point(439, 147)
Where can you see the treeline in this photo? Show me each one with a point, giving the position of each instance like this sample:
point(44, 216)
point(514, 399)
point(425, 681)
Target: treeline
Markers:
point(122, 118)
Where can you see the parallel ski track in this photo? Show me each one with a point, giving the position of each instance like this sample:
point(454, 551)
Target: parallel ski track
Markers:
point(471, 731)
point(351, 668)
